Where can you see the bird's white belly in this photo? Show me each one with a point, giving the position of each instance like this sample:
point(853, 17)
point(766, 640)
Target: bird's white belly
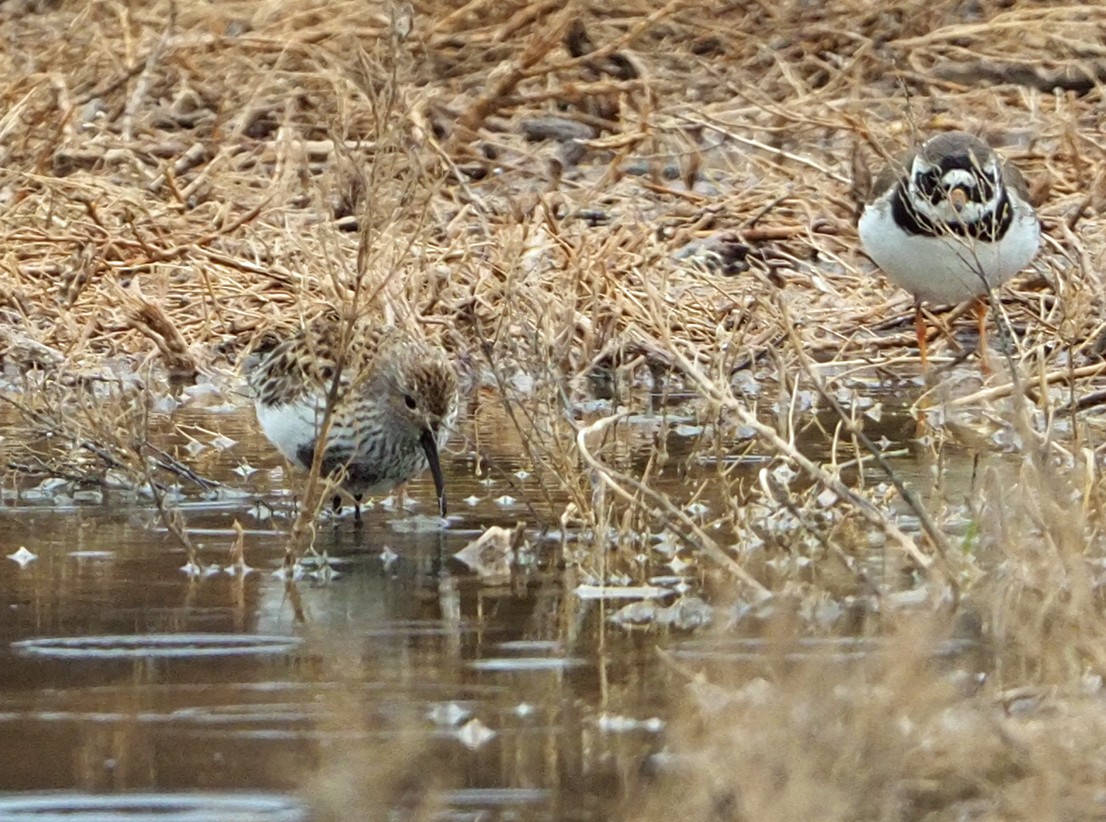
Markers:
point(290, 427)
point(948, 269)
point(375, 464)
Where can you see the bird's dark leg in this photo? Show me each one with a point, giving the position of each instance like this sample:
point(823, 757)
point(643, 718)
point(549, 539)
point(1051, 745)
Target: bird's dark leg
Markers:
point(336, 505)
point(357, 510)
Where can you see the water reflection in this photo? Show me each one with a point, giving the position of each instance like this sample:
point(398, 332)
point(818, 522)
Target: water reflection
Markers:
point(520, 694)
point(144, 807)
point(110, 682)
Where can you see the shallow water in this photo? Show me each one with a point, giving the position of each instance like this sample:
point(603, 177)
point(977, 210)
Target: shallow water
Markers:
point(137, 691)
point(122, 675)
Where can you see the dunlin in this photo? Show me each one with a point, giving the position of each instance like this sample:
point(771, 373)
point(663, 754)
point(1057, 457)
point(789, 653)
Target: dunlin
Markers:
point(950, 223)
point(393, 400)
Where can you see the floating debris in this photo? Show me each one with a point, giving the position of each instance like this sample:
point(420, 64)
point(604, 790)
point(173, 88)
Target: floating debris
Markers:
point(325, 572)
point(448, 713)
point(191, 569)
point(686, 613)
point(698, 509)
point(294, 573)
point(489, 555)
point(614, 723)
point(636, 613)
point(53, 485)
point(620, 592)
point(475, 734)
point(22, 557)
point(684, 430)
point(245, 470)
point(678, 564)
point(223, 442)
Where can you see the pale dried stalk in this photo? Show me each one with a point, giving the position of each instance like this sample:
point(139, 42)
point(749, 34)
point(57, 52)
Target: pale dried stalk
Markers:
point(665, 510)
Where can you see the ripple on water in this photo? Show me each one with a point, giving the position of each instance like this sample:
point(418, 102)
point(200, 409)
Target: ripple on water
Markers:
point(495, 797)
point(529, 655)
point(530, 645)
point(527, 663)
point(823, 649)
point(180, 646)
point(154, 807)
point(410, 628)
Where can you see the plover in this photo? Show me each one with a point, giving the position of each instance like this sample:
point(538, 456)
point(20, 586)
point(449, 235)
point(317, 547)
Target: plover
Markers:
point(950, 223)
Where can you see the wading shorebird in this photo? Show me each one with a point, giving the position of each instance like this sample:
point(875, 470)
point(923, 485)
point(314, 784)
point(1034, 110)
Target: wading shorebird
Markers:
point(393, 399)
point(949, 223)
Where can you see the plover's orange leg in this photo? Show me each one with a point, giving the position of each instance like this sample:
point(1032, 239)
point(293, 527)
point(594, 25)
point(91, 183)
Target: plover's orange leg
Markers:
point(979, 306)
point(922, 332)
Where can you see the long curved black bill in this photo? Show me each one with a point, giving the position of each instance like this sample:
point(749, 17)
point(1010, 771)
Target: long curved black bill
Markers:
point(429, 445)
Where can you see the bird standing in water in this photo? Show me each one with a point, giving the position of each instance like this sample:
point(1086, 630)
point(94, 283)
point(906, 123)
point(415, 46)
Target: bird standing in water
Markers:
point(392, 398)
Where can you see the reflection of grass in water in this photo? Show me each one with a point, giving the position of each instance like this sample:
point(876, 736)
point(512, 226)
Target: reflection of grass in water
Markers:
point(1014, 733)
point(178, 200)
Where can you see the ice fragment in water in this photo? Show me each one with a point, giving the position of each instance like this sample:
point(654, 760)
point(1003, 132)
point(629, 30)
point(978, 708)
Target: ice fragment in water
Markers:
point(244, 470)
point(475, 734)
point(23, 557)
point(449, 713)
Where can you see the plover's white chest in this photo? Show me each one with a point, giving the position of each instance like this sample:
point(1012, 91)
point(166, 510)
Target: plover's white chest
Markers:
point(947, 267)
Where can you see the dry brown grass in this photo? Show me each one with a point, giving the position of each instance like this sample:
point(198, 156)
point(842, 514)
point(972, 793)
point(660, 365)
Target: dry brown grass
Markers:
point(175, 178)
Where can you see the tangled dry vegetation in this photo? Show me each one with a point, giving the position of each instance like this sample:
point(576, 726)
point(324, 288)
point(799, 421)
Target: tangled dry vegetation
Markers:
point(662, 195)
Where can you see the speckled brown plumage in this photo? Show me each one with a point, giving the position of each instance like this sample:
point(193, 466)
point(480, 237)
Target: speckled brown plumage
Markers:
point(394, 400)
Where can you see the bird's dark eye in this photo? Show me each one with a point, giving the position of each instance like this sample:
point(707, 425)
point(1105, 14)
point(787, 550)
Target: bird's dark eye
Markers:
point(929, 182)
point(410, 402)
point(988, 185)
